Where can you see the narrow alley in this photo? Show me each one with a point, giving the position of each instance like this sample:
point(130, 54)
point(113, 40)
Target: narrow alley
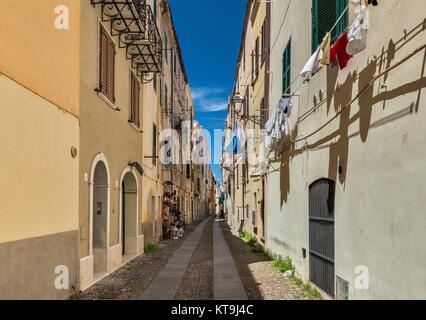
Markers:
point(207, 263)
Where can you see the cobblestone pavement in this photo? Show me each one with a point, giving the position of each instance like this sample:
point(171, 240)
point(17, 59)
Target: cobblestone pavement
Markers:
point(260, 279)
point(197, 283)
point(130, 281)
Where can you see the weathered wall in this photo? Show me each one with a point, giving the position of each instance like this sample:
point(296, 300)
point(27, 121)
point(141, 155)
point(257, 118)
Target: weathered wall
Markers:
point(39, 98)
point(39, 56)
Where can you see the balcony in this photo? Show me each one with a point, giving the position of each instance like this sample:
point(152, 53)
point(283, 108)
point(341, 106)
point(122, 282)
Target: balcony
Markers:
point(133, 22)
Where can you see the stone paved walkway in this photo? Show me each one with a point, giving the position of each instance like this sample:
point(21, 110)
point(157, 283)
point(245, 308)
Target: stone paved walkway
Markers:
point(207, 263)
point(165, 286)
point(227, 282)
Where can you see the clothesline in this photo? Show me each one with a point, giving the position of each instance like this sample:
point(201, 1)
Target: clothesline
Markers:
point(355, 98)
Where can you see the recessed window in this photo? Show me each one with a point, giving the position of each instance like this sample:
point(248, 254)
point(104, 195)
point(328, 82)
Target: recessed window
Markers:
point(134, 100)
point(324, 16)
point(286, 68)
point(106, 64)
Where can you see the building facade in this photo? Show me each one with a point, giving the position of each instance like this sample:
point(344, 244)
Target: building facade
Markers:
point(342, 195)
point(93, 85)
point(39, 227)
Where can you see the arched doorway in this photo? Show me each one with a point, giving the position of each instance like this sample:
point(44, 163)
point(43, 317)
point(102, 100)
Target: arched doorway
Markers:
point(100, 203)
point(129, 213)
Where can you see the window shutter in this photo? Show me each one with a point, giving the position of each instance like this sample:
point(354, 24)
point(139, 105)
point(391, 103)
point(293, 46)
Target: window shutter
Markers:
point(161, 92)
point(110, 72)
point(134, 100)
point(287, 68)
point(103, 61)
point(165, 98)
point(165, 46)
point(154, 143)
point(137, 106)
point(257, 55)
point(324, 15)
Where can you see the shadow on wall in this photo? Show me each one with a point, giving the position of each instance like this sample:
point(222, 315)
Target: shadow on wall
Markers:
point(342, 95)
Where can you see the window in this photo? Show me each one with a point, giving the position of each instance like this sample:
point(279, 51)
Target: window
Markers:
point(287, 68)
point(161, 93)
point(264, 114)
point(254, 60)
point(244, 59)
point(165, 98)
point(154, 144)
point(106, 64)
point(263, 52)
point(324, 15)
point(246, 103)
point(134, 100)
point(165, 46)
point(256, 55)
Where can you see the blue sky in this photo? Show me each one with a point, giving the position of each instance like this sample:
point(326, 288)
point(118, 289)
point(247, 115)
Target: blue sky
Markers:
point(209, 35)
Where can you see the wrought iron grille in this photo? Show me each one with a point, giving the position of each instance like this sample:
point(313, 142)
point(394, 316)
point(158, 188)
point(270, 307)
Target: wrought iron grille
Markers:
point(321, 235)
point(133, 22)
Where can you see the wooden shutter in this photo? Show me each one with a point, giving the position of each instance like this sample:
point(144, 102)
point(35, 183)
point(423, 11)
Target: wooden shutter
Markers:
point(165, 98)
point(267, 60)
point(137, 95)
point(111, 71)
point(154, 143)
point(263, 114)
point(263, 40)
point(103, 61)
point(161, 92)
point(257, 55)
point(324, 15)
point(287, 68)
point(134, 101)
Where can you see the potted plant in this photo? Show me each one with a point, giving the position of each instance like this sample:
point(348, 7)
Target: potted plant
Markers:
point(167, 203)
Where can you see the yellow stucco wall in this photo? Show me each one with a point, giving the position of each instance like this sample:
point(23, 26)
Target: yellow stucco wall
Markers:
point(36, 54)
point(39, 184)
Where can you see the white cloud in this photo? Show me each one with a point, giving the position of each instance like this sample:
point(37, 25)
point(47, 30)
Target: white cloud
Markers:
point(209, 99)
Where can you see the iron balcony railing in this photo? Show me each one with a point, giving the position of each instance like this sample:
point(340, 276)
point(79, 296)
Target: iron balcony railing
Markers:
point(133, 22)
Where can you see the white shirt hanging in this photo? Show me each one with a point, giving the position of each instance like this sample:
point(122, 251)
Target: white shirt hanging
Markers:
point(312, 66)
point(285, 106)
point(357, 34)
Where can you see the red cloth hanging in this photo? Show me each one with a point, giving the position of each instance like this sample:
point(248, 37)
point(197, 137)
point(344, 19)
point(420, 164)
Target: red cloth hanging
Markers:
point(339, 50)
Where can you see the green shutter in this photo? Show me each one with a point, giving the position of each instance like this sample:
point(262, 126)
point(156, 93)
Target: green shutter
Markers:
point(165, 45)
point(161, 92)
point(155, 10)
point(165, 99)
point(286, 75)
point(154, 82)
point(314, 25)
point(154, 143)
point(324, 15)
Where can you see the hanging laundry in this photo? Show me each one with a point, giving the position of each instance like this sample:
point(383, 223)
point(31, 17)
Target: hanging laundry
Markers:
point(234, 144)
point(324, 54)
point(339, 50)
point(334, 63)
point(357, 34)
point(276, 127)
point(285, 106)
point(311, 67)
